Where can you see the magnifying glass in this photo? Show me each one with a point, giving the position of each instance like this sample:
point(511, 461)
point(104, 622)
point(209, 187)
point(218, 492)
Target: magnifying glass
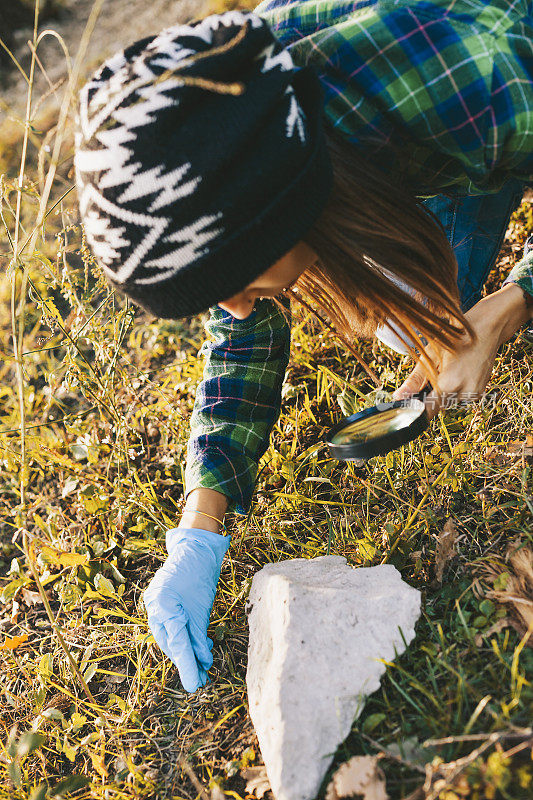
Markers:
point(379, 429)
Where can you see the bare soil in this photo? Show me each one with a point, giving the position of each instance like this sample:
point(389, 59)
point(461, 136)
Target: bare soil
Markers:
point(120, 23)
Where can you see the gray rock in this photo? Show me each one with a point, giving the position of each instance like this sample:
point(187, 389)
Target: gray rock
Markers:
point(318, 628)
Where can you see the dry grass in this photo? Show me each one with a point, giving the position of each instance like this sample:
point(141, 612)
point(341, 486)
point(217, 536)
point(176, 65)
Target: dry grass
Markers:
point(94, 478)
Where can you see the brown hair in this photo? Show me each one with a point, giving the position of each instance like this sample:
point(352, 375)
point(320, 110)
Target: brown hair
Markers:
point(372, 226)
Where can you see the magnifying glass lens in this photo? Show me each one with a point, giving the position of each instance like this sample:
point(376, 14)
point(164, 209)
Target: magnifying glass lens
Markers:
point(377, 430)
point(378, 425)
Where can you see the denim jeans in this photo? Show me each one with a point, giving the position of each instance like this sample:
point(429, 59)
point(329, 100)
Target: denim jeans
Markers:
point(475, 227)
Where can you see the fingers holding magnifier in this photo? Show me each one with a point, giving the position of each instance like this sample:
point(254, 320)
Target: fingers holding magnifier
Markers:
point(414, 383)
point(433, 403)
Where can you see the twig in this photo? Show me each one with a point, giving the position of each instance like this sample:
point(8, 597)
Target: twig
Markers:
point(194, 780)
point(478, 737)
point(391, 756)
point(518, 748)
point(58, 421)
point(456, 768)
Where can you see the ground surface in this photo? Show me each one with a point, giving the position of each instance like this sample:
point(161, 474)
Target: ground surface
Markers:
point(107, 395)
point(120, 23)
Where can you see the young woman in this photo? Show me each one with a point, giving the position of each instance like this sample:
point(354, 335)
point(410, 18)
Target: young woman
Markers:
point(369, 154)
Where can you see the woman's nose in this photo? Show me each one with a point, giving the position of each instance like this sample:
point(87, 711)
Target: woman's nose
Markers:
point(240, 306)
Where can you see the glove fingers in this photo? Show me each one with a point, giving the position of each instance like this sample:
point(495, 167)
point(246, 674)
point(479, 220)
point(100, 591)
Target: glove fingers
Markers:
point(160, 635)
point(203, 676)
point(182, 654)
point(202, 645)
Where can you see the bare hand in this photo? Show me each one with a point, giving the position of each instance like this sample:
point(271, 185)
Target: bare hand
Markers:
point(464, 374)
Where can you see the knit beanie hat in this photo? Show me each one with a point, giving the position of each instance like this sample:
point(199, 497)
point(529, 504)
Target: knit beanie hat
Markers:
point(200, 161)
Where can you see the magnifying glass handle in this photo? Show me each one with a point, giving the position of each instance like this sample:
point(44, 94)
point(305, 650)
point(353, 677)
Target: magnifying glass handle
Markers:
point(424, 392)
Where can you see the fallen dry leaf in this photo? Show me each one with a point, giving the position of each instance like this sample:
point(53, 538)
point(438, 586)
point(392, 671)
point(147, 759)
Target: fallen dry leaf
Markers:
point(523, 449)
point(518, 590)
point(445, 548)
point(496, 457)
point(360, 776)
point(257, 782)
point(498, 626)
point(512, 586)
point(14, 642)
point(98, 761)
point(31, 598)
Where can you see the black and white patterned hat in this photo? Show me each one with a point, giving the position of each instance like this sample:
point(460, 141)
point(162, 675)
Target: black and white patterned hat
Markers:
point(187, 191)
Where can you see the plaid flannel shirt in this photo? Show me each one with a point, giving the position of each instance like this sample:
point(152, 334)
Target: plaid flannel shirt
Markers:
point(238, 400)
point(450, 83)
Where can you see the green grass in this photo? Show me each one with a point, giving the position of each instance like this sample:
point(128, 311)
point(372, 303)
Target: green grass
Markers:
point(107, 395)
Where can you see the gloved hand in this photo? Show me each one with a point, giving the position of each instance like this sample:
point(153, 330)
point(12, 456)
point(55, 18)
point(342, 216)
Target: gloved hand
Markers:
point(179, 599)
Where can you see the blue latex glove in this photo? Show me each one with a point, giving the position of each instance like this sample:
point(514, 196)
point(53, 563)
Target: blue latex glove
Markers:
point(179, 599)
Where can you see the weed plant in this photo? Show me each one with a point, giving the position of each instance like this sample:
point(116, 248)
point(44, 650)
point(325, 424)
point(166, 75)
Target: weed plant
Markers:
point(94, 417)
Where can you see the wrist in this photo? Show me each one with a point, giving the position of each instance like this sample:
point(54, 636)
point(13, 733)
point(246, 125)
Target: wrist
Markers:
point(204, 509)
point(200, 521)
point(499, 315)
point(515, 310)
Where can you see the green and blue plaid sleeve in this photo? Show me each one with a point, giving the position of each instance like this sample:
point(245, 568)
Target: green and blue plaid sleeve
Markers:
point(448, 83)
point(238, 400)
point(522, 274)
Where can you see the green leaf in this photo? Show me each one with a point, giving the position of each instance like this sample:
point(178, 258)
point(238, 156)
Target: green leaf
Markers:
point(139, 528)
point(118, 576)
point(220, 632)
point(501, 581)
point(372, 722)
point(29, 742)
point(104, 586)
point(138, 545)
point(86, 656)
point(50, 309)
point(39, 696)
point(69, 750)
point(9, 591)
point(92, 500)
point(11, 748)
point(120, 702)
point(367, 550)
point(347, 403)
point(287, 470)
point(79, 451)
point(69, 784)
point(486, 607)
point(89, 672)
point(14, 772)
point(46, 665)
point(90, 738)
point(78, 721)
point(309, 452)
point(53, 713)
point(70, 595)
point(39, 793)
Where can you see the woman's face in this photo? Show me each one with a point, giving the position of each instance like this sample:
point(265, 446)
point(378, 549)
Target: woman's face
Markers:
point(271, 283)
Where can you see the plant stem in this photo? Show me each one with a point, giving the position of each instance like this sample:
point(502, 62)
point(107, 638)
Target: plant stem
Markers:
point(17, 327)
